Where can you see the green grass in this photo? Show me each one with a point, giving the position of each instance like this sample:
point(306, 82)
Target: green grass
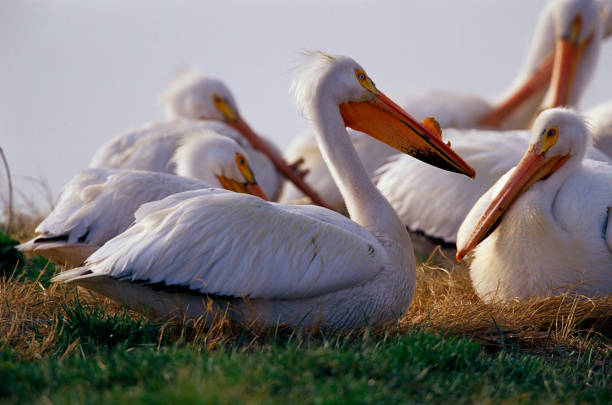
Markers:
point(100, 354)
point(14, 264)
point(413, 368)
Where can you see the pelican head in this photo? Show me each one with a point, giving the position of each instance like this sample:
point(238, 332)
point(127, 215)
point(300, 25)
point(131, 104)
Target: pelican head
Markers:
point(342, 83)
point(577, 32)
point(216, 160)
point(558, 136)
point(562, 59)
point(193, 96)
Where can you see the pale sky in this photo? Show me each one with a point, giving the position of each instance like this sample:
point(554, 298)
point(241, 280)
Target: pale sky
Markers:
point(76, 73)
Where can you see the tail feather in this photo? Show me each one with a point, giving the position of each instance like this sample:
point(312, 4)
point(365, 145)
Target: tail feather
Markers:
point(72, 275)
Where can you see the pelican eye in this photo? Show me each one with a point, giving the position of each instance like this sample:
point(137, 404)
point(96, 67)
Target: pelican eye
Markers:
point(222, 105)
point(240, 159)
point(365, 81)
point(547, 139)
point(243, 167)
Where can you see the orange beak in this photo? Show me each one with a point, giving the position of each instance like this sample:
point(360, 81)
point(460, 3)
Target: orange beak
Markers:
point(248, 188)
point(278, 161)
point(255, 190)
point(534, 83)
point(558, 69)
point(384, 120)
point(568, 55)
point(532, 168)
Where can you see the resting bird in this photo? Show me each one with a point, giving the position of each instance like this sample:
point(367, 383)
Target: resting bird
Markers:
point(556, 74)
point(194, 102)
point(491, 152)
point(268, 263)
point(98, 204)
point(545, 226)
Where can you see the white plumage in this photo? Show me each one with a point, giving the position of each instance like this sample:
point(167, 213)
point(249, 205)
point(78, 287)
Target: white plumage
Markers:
point(492, 153)
point(298, 265)
point(372, 154)
point(190, 96)
point(154, 146)
point(98, 204)
point(436, 203)
point(193, 101)
point(599, 119)
point(455, 110)
point(556, 235)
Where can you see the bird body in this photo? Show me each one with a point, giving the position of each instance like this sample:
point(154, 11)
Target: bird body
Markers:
point(300, 265)
point(556, 73)
point(98, 204)
point(189, 99)
point(547, 220)
point(571, 29)
point(154, 148)
point(430, 202)
point(310, 255)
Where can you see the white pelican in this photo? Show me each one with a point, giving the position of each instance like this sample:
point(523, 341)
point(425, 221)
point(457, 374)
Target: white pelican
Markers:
point(556, 73)
point(98, 204)
point(600, 120)
point(545, 226)
point(300, 265)
point(536, 88)
point(189, 99)
point(492, 153)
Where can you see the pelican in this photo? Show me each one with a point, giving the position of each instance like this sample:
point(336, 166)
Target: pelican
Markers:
point(557, 70)
point(98, 204)
point(193, 101)
point(545, 226)
point(492, 153)
point(556, 74)
point(270, 263)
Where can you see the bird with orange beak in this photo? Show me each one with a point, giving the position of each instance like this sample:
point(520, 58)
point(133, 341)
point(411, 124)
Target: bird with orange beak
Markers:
point(560, 63)
point(194, 101)
point(545, 226)
point(268, 263)
point(443, 200)
point(98, 204)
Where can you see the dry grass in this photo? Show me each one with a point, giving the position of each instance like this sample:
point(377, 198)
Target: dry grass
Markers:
point(444, 301)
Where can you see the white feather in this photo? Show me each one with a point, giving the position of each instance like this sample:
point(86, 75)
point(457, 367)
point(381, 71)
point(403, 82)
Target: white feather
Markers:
point(555, 236)
point(301, 265)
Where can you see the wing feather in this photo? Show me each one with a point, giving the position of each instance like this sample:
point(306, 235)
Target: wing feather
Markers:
point(98, 204)
point(435, 202)
point(232, 244)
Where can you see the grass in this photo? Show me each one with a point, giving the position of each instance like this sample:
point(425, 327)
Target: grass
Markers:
point(410, 368)
point(57, 346)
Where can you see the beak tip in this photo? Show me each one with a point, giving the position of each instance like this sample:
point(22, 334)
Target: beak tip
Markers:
point(460, 255)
